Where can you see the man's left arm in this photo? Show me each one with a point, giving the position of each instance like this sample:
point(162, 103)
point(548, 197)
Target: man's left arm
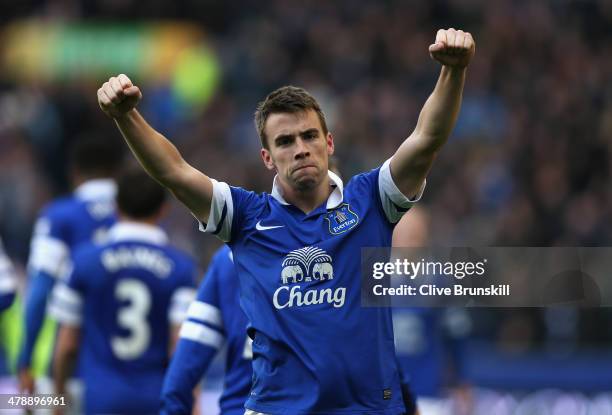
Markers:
point(66, 307)
point(66, 351)
point(411, 162)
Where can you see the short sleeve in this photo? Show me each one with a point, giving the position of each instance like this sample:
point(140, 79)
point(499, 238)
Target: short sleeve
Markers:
point(204, 322)
point(221, 214)
point(228, 208)
point(394, 202)
point(184, 294)
point(8, 279)
point(66, 304)
point(179, 304)
point(49, 250)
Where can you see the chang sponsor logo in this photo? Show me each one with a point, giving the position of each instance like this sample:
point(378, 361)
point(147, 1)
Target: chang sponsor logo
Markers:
point(307, 265)
point(296, 297)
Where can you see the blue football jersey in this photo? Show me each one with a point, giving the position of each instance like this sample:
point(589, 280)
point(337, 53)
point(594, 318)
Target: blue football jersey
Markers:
point(315, 349)
point(8, 280)
point(420, 349)
point(429, 344)
point(64, 224)
point(213, 319)
point(125, 295)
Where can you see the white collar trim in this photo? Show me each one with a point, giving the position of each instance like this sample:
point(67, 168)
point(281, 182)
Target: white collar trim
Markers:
point(134, 231)
point(334, 200)
point(96, 189)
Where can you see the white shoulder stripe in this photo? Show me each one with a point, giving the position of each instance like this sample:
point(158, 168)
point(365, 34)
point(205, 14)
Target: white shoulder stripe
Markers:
point(181, 299)
point(67, 295)
point(391, 197)
point(205, 312)
point(221, 212)
point(184, 295)
point(201, 334)
point(5, 263)
point(8, 284)
point(64, 315)
point(49, 255)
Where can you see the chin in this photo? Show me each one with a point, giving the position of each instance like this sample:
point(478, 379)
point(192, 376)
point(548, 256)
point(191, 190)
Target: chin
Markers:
point(306, 182)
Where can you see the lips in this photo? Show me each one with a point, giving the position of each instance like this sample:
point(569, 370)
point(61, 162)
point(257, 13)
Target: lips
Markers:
point(302, 167)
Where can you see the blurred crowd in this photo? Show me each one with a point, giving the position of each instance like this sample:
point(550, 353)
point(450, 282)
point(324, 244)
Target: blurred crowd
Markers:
point(527, 165)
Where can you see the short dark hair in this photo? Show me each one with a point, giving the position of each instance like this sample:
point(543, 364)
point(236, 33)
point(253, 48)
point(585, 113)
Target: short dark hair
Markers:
point(288, 99)
point(96, 155)
point(139, 196)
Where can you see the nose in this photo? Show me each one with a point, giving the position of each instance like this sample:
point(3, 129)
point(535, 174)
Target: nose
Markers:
point(301, 150)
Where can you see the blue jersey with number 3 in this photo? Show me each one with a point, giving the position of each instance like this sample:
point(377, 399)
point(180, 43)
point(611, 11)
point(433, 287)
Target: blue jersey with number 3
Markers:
point(125, 295)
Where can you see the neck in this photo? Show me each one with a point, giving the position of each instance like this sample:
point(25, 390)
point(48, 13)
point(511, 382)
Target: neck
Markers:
point(308, 200)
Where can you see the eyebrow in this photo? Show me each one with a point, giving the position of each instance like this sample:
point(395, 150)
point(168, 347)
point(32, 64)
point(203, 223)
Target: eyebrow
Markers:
point(284, 136)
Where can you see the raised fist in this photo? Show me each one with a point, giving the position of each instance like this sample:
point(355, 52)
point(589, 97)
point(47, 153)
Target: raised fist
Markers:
point(118, 96)
point(453, 48)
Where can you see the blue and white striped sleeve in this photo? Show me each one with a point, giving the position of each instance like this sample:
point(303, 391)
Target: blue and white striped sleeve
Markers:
point(179, 304)
point(204, 320)
point(66, 305)
point(8, 281)
point(201, 336)
point(394, 202)
point(204, 325)
point(49, 252)
point(221, 214)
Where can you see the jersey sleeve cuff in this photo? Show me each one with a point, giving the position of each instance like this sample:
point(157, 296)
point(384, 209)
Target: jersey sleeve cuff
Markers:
point(66, 305)
point(181, 300)
point(394, 202)
point(49, 255)
point(202, 334)
point(219, 221)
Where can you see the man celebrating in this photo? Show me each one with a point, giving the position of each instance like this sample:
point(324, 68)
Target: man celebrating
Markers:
point(296, 250)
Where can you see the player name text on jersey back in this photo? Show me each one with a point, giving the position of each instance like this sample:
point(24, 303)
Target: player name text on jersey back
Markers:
point(151, 259)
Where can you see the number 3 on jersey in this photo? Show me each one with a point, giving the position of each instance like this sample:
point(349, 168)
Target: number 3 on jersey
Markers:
point(132, 317)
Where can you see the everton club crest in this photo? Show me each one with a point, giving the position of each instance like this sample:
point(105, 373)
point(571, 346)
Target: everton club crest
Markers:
point(341, 219)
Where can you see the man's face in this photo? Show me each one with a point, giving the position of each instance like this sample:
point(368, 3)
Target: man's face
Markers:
point(299, 149)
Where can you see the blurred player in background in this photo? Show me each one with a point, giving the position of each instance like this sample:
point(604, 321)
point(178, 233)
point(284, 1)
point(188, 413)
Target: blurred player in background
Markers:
point(428, 340)
point(122, 305)
point(8, 280)
point(65, 223)
point(214, 318)
point(9, 326)
point(296, 250)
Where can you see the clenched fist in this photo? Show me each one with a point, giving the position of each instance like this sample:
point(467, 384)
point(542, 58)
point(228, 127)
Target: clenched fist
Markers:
point(118, 96)
point(453, 48)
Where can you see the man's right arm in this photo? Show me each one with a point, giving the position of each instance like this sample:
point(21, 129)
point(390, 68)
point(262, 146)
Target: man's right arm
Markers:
point(158, 156)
